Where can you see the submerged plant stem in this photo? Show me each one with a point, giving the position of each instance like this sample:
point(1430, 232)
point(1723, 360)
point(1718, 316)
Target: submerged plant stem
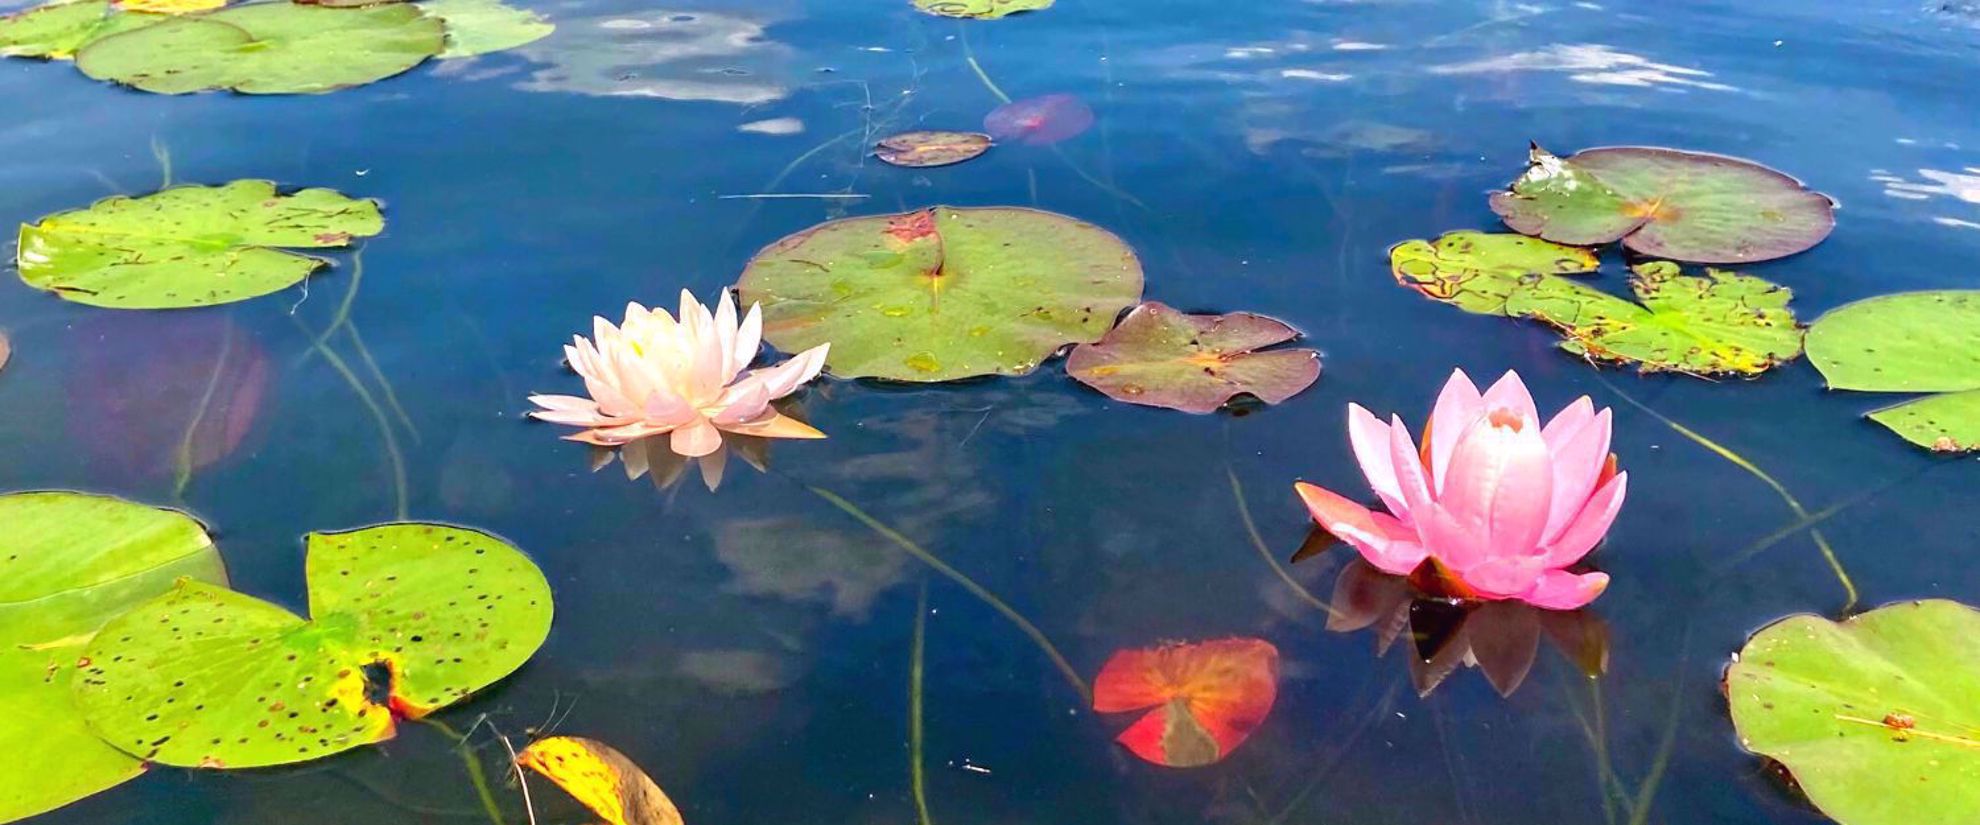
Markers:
point(1265, 552)
point(969, 56)
point(1031, 630)
point(392, 453)
point(182, 461)
point(1737, 460)
point(916, 774)
point(475, 774)
point(384, 386)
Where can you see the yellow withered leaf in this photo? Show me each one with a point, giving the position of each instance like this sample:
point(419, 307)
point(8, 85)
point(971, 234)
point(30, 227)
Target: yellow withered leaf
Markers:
point(602, 778)
point(170, 6)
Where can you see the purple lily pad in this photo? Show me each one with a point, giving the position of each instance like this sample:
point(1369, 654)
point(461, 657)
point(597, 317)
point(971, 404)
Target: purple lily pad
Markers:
point(1195, 363)
point(1039, 121)
point(154, 394)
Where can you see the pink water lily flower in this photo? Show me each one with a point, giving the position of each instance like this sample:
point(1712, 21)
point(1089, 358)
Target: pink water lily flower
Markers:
point(686, 378)
point(1494, 505)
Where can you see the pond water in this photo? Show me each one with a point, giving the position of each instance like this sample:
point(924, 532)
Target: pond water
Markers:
point(751, 647)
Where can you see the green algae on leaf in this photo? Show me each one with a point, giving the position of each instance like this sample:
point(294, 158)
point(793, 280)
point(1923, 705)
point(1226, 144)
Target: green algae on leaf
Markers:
point(925, 149)
point(268, 48)
point(72, 562)
point(1718, 324)
point(1876, 717)
point(406, 618)
point(56, 30)
point(942, 293)
point(1195, 363)
point(1916, 342)
point(189, 246)
point(980, 9)
point(477, 27)
point(1665, 203)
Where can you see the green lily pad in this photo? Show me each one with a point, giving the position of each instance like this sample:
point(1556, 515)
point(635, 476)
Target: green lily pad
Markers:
point(1877, 717)
point(923, 149)
point(1686, 206)
point(980, 9)
point(1722, 323)
point(55, 31)
point(1195, 363)
point(268, 48)
point(406, 618)
point(69, 562)
point(1909, 342)
point(483, 26)
point(189, 246)
point(942, 293)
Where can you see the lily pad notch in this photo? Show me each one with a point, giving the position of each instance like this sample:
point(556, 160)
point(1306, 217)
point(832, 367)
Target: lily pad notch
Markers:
point(1909, 342)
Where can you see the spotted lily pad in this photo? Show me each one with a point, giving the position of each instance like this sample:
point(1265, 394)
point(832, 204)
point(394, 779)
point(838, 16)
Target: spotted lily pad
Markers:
point(1687, 206)
point(189, 246)
point(268, 48)
point(942, 293)
point(1724, 323)
point(56, 30)
point(1195, 363)
point(405, 619)
point(483, 26)
point(69, 562)
point(923, 149)
point(1203, 699)
point(980, 9)
point(1917, 342)
point(1877, 717)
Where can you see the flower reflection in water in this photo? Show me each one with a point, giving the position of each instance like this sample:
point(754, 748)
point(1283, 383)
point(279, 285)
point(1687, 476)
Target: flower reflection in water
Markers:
point(1500, 638)
point(652, 458)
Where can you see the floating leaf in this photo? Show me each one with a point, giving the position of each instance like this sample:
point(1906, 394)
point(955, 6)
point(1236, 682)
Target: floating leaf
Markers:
point(980, 9)
point(1207, 697)
point(161, 395)
point(189, 246)
point(942, 293)
point(1722, 323)
point(69, 562)
point(1909, 342)
point(1195, 363)
point(268, 48)
point(406, 619)
point(1875, 716)
point(602, 778)
point(56, 30)
point(483, 26)
point(1687, 206)
point(1039, 121)
point(170, 6)
point(923, 149)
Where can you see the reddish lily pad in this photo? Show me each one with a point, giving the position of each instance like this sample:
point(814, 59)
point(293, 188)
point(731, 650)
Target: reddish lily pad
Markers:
point(1207, 697)
point(924, 149)
point(1195, 363)
point(1665, 203)
point(406, 619)
point(1039, 121)
point(162, 395)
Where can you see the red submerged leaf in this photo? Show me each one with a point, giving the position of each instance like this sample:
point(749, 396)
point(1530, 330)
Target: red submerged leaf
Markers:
point(153, 394)
point(1207, 697)
point(1039, 120)
point(912, 226)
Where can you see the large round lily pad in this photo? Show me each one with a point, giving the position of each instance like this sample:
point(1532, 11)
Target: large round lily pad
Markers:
point(980, 9)
point(56, 30)
point(1877, 717)
point(942, 293)
point(406, 618)
point(1909, 342)
point(1687, 206)
point(1195, 363)
point(69, 562)
point(482, 26)
point(268, 48)
point(189, 246)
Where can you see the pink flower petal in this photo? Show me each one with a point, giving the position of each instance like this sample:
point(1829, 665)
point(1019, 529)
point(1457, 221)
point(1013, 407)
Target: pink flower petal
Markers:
point(1380, 538)
point(1502, 577)
point(783, 379)
point(1501, 459)
point(749, 337)
point(1408, 464)
point(1510, 393)
point(1569, 421)
point(1458, 405)
point(1578, 466)
point(1590, 525)
point(1457, 545)
point(697, 439)
point(725, 335)
point(1561, 590)
point(745, 400)
point(1370, 439)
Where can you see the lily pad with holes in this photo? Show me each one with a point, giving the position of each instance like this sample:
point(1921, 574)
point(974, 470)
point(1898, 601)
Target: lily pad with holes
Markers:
point(268, 48)
point(1724, 323)
point(483, 26)
point(1686, 206)
point(980, 9)
point(1910, 342)
point(1877, 717)
point(1195, 363)
point(924, 149)
point(405, 619)
point(69, 562)
point(189, 246)
point(942, 293)
point(56, 30)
